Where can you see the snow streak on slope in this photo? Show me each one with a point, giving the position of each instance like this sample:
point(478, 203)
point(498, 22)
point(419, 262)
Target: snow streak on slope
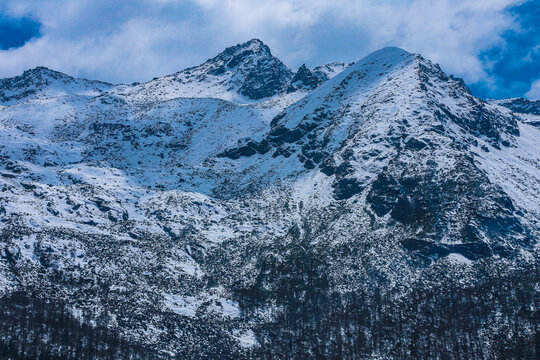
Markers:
point(517, 170)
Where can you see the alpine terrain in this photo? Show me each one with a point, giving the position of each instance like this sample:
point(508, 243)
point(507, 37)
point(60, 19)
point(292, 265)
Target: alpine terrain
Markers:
point(242, 210)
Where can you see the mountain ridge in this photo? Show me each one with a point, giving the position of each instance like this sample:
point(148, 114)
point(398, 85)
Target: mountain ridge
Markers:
point(520, 105)
point(33, 81)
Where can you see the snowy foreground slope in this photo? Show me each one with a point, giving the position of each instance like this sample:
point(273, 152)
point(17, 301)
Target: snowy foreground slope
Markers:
point(239, 209)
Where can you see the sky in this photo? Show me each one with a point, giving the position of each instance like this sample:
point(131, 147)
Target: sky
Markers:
point(494, 45)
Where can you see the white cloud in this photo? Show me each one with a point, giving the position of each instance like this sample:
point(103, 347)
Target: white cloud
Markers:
point(131, 41)
point(451, 32)
point(534, 91)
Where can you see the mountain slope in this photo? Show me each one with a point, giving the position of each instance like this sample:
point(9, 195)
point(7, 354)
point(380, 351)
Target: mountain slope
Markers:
point(527, 110)
point(243, 72)
point(44, 82)
point(383, 212)
point(330, 70)
point(520, 105)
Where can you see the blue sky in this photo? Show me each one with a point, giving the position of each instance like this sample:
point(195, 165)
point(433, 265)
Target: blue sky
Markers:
point(493, 44)
point(15, 32)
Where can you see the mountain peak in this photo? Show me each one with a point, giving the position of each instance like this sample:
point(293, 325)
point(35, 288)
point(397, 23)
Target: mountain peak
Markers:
point(246, 70)
point(42, 72)
point(30, 82)
point(252, 68)
point(304, 78)
point(40, 69)
point(234, 55)
point(391, 50)
point(254, 43)
point(39, 79)
point(386, 56)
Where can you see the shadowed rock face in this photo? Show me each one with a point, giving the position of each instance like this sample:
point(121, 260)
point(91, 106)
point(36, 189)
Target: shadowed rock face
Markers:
point(266, 76)
point(259, 74)
point(265, 80)
point(241, 73)
point(304, 79)
point(459, 206)
point(237, 210)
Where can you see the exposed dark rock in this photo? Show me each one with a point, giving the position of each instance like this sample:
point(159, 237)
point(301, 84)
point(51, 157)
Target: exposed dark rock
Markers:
point(415, 144)
point(521, 105)
point(346, 188)
point(249, 149)
point(304, 79)
point(383, 194)
point(433, 251)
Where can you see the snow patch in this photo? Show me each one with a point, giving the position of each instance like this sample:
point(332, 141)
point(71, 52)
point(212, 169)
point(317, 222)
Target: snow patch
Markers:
point(246, 338)
point(458, 258)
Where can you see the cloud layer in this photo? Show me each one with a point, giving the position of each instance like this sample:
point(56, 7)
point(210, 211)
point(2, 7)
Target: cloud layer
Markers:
point(534, 91)
point(137, 40)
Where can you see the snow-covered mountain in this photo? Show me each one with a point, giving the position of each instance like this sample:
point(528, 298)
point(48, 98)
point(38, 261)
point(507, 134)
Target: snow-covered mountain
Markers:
point(520, 105)
point(527, 110)
point(46, 83)
point(239, 209)
point(241, 73)
point(328, 71)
